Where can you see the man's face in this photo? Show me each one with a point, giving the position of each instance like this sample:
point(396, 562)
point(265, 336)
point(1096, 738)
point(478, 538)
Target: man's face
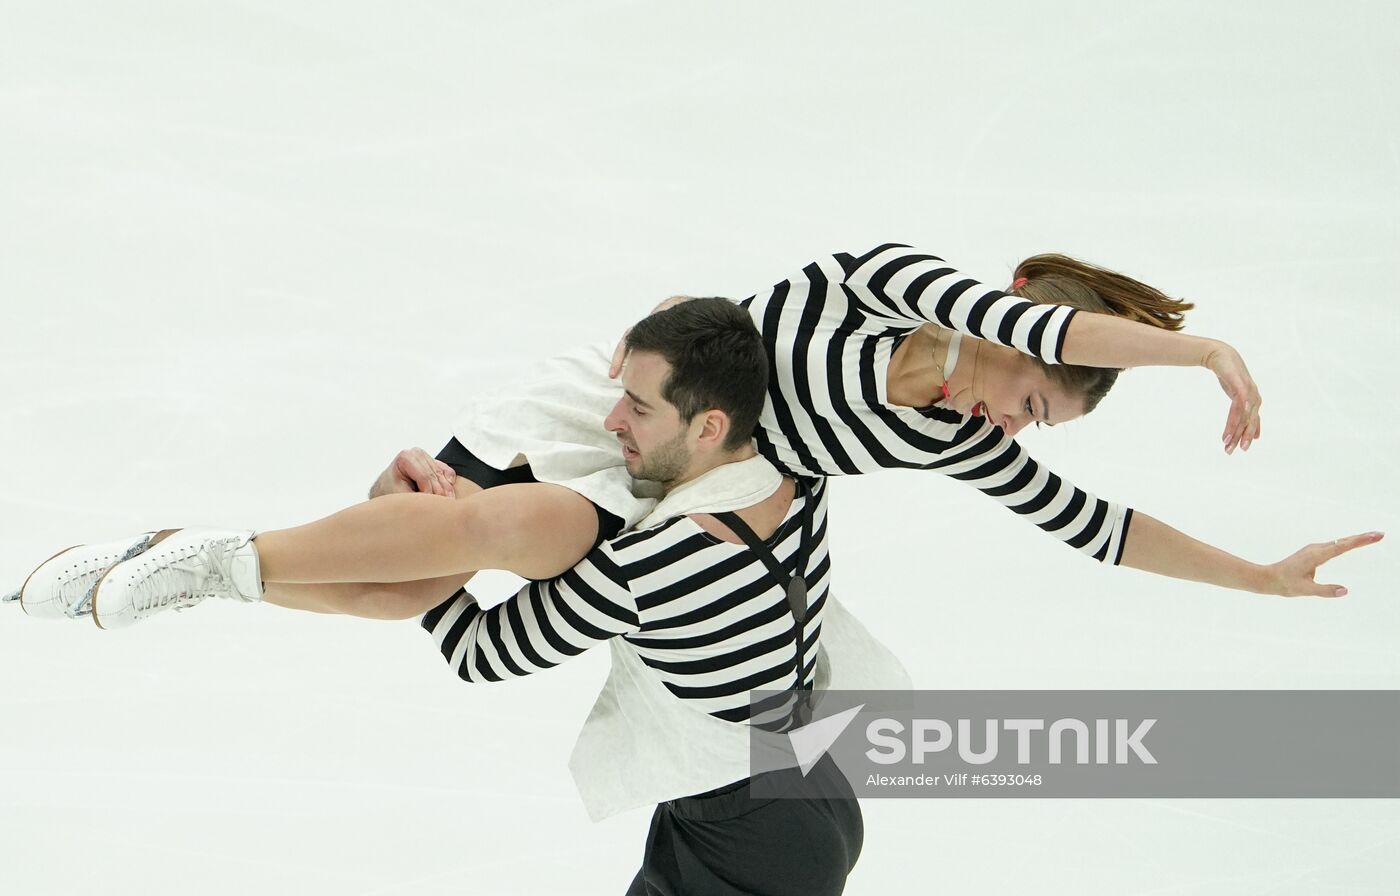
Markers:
point(655, 443)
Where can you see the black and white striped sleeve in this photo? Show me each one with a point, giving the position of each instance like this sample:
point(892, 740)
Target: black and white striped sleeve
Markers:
point(1001, 468)
point(542, 625)
point(898, 282)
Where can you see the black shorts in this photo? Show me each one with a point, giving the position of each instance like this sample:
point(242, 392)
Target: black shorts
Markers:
point(728, 843)
point(468, 465)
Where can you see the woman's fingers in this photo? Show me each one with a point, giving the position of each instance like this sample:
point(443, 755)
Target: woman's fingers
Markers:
point(1242, 425)
point(1258, 424)
point(1340, 546)
point(1238, 395)
point(1251, 430)
point(1301, 568)
point(1242, 422)
point(619, 353)
point(1237, 421)
point(1232, 423)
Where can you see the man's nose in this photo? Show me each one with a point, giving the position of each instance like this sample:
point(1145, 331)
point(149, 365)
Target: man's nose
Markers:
point(613, 422)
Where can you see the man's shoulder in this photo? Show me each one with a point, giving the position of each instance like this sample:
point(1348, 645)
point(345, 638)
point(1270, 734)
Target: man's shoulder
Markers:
point(663, 536)
point(638, 552)
point(643, 540)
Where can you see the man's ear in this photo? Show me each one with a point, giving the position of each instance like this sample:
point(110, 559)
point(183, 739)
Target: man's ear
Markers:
point(714, 429)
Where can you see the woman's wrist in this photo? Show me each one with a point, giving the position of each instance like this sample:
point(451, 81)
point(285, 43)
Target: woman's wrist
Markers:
point(1208, 350)
point(1263, 580)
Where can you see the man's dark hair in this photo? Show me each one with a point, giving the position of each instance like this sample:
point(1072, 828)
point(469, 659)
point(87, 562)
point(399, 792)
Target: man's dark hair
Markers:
point(717, 361)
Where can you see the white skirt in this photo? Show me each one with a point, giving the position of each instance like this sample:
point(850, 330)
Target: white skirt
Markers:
point(555, 423)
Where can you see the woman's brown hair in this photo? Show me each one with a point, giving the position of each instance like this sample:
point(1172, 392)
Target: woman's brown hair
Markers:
point(1054, 279)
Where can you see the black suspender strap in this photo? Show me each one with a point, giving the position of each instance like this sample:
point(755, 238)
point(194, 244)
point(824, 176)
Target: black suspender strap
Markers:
point(795, 586)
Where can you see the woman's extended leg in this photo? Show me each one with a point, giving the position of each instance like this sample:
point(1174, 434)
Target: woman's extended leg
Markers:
point(394, 557)
point(407, 600)
point(397, 600)
point(536, 530)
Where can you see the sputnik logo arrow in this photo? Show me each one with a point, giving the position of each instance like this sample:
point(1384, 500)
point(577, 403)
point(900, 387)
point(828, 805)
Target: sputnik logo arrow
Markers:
point(810, 742)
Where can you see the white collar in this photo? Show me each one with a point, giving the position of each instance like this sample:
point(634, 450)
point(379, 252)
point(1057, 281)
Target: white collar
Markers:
point(731, 486)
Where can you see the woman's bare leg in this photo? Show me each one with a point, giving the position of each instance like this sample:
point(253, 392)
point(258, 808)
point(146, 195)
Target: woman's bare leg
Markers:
point(535, 530)
point(399, 600)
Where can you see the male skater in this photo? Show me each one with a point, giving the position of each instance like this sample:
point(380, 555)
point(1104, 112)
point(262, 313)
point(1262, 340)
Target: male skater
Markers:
point(695, 603)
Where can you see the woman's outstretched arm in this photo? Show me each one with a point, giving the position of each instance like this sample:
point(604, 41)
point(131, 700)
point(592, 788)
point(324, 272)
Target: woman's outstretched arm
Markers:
point(1153, 546)
point(1102, 340)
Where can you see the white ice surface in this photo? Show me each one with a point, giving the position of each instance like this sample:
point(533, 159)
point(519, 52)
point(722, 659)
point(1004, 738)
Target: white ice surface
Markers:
point(249, 249)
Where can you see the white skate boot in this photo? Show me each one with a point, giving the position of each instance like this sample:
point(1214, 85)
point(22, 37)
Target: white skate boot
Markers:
point(180, 568)
point(59, 587)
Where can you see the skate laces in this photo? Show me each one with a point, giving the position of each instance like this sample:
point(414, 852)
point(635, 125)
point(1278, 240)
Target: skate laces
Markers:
point(83, 606)
point(173, 583)
point(82, 582)
point(80, 587)
point(165, 586)
point(219, 561)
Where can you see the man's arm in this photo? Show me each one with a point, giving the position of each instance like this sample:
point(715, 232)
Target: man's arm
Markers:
point(541, 626)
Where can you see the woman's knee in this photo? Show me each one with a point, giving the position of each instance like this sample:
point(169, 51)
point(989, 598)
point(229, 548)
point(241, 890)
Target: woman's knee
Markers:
point(534, 530)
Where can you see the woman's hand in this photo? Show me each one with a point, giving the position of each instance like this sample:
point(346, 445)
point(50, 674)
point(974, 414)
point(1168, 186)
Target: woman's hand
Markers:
point(1293, 576)
point(619, 353)
point(1242, 425)
point(415, 470)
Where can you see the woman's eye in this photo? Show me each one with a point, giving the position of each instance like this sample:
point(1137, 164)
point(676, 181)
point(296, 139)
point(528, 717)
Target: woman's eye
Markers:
point(1030, 412)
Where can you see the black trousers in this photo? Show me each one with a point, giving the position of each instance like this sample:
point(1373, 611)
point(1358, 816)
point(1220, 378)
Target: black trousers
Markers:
point(728, 843)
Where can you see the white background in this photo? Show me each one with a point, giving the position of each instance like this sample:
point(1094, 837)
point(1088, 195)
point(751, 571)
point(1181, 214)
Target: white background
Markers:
point(248, 250)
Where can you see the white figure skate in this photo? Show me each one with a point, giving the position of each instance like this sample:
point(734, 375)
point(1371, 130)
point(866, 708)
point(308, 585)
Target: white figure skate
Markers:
point(59, 588)
point(179, 569)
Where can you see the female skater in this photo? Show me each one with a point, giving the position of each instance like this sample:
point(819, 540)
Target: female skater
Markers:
point(871, 369)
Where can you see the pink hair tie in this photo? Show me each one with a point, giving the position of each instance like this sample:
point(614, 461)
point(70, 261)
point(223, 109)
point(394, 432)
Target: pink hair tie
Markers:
point(1018, 283)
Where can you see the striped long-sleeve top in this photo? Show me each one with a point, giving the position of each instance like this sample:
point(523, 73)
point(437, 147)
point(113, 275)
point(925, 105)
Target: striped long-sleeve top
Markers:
point(830, 332)
point(704, 614)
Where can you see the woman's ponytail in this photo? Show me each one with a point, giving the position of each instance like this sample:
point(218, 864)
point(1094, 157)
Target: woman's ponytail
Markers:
point(1060, 280)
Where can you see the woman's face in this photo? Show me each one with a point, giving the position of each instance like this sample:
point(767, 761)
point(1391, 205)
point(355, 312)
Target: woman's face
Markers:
point(1010, 389)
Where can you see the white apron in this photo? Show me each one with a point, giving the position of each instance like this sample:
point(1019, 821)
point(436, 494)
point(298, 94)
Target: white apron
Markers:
point(642, 745)
point(556, 422)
